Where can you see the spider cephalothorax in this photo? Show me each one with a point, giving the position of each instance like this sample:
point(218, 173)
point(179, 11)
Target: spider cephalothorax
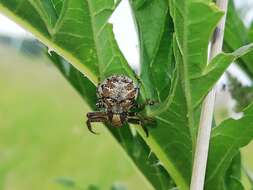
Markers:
point(117, 95)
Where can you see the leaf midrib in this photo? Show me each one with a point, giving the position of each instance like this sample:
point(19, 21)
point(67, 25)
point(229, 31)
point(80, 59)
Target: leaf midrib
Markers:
point(94, 36)
point(226, 154)
point(68, 56)
point(186, 78)
point(166, 162)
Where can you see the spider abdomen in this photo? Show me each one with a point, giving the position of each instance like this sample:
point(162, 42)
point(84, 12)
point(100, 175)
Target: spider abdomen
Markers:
point(117, 93)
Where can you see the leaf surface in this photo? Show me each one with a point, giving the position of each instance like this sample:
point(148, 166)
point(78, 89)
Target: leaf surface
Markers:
point(237, 35)
point(174, 139)
point(134, 145)
point(155, 35)
point(77, 30)
point(226, 140)
point(233, 174)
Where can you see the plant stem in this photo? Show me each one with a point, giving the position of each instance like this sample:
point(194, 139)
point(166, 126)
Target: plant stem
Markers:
point(205, 125)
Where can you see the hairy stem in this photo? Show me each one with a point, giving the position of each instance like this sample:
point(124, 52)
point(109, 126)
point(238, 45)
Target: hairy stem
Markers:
point(205, 125)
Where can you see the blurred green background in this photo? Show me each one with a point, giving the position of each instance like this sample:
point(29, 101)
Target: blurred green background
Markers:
point(43, 136)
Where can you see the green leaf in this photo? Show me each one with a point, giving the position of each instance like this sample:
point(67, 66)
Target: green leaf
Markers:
point(233, 174)
point(251, 32)
point(175, 115)
point(135, 147)
point(235, 184)
point(93, 187)
point(155, 34)
point(226, 139)
point(235, 30)
point(189, 18)
point(237, 35)
point(213, 71)
point(77, 30)
point(66, 182)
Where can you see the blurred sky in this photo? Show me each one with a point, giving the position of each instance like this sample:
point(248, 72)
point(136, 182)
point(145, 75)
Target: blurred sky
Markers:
point(124, 29)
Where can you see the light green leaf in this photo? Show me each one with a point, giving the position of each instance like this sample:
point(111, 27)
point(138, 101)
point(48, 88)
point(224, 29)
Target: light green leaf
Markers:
point(213, 72)
point(77, 30)
point(226, 140)
point(235, 30)
point(237, 35)
point(190, 18)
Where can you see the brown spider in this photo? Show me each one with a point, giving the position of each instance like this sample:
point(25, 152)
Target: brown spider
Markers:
point(117, 95)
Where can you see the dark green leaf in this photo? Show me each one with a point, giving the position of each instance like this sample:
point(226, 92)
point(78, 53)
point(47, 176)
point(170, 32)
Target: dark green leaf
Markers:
point(93, 187)
point(66, 182)
point(155, 34)
point(233, 174)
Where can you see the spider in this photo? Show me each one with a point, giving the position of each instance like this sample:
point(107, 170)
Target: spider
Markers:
point(117, 96)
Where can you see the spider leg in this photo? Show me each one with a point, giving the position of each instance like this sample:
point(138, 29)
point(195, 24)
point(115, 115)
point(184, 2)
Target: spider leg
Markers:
point(99, 103)
point(136, 77)
point(88, 123)
point(139, 122)
point(99, 80)
point(141, 117)
point(148, 102)
point(132, 114)
point(95, 117)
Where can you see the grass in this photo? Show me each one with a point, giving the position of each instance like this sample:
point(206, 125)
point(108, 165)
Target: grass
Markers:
point(43, 135)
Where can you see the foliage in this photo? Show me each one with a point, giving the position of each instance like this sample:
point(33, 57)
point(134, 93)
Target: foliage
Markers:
point(242, 94)
point(71, 184)
point(174, 70)
point(236, 35)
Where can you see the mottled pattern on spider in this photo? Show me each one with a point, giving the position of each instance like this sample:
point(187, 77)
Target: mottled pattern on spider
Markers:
point(117, 96)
